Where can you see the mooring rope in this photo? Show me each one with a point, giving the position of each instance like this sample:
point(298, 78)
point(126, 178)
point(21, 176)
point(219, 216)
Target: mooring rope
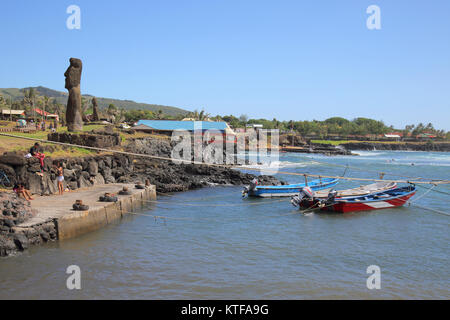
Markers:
point(216, 205)
point(221, 165)
point(210, 219)
point(431, 209)
point(191, 199)
point(366, 170)
point(438, 191)
point(421, 196)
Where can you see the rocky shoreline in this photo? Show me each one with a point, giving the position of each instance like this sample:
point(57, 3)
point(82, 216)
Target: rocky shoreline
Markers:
point(317, 148)
point(13, 239)
point(407, 146)
point(102, 169)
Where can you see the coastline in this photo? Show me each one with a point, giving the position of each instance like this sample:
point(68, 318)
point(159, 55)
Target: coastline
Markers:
point(400, 146)
point(267, 233)
point(93, 173)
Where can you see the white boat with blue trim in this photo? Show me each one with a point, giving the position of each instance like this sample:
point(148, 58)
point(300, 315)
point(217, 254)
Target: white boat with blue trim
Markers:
point(253, 190)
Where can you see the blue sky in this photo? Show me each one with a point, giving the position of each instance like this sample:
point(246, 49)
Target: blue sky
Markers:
point(299, 60)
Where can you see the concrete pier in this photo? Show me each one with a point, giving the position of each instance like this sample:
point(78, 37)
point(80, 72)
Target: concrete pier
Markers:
point(70, 223)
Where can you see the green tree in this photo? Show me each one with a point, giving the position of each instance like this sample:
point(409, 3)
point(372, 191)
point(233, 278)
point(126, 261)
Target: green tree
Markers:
point(30, 100)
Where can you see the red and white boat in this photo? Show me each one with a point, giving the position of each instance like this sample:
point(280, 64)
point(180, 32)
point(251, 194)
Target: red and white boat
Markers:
point(380, 200)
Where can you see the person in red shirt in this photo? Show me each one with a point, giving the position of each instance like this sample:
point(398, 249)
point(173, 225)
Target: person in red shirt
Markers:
point(35, 152)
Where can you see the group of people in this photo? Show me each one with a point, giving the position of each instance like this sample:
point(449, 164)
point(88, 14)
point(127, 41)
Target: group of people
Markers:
point(42, 125)
point(35, 151)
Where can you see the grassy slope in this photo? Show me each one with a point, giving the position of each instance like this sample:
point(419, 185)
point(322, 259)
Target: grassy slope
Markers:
point(15, 144)
point(61, 97)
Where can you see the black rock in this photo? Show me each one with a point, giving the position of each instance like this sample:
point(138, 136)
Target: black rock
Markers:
point(45, 236)
point(8, 223)
point(20, 241)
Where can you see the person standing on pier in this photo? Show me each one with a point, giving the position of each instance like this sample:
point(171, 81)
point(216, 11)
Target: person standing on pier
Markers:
point(60, 179)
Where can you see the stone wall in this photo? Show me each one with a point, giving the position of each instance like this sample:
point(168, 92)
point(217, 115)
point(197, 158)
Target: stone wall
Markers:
point(98, 140)
point(13, 211)
point(78, 172)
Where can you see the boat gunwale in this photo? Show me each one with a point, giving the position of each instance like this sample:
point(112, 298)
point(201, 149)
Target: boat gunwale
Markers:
point(350, 201)
point(390, 186)
point(297, 186)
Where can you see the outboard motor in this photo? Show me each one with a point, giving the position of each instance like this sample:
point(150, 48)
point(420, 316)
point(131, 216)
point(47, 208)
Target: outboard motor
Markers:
point(306, 192)
point(331, 196)
point(330, 199)
point(250, 187)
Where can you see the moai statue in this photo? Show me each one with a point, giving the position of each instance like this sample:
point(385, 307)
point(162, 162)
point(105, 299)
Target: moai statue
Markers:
point(73, 112)
point(95, 115)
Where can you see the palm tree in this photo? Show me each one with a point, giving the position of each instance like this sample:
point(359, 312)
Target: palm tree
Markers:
point(203, 116)
point(3, 102)
point(9, 102)
point(57, 109)
point(291, 125)
point(159, 115)
point(193, 115)
point(45, 105)
point(30, 99)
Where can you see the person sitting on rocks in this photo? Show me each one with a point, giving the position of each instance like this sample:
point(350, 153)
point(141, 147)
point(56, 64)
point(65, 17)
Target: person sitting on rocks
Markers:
point(21, 191)
point(35, 152)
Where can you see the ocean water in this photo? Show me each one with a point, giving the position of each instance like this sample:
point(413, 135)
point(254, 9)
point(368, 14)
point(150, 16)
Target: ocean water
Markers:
point(212, 244)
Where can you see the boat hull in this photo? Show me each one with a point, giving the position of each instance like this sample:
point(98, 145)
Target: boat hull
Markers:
point(345, 207)
point(290, 190)
point(381, 200)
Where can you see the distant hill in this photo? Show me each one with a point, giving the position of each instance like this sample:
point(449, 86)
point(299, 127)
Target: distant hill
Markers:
point(61, 97)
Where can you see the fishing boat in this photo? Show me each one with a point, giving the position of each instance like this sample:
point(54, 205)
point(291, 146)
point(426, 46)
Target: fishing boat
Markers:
point(253, 190)
point(379, 200)
point(359, 191)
